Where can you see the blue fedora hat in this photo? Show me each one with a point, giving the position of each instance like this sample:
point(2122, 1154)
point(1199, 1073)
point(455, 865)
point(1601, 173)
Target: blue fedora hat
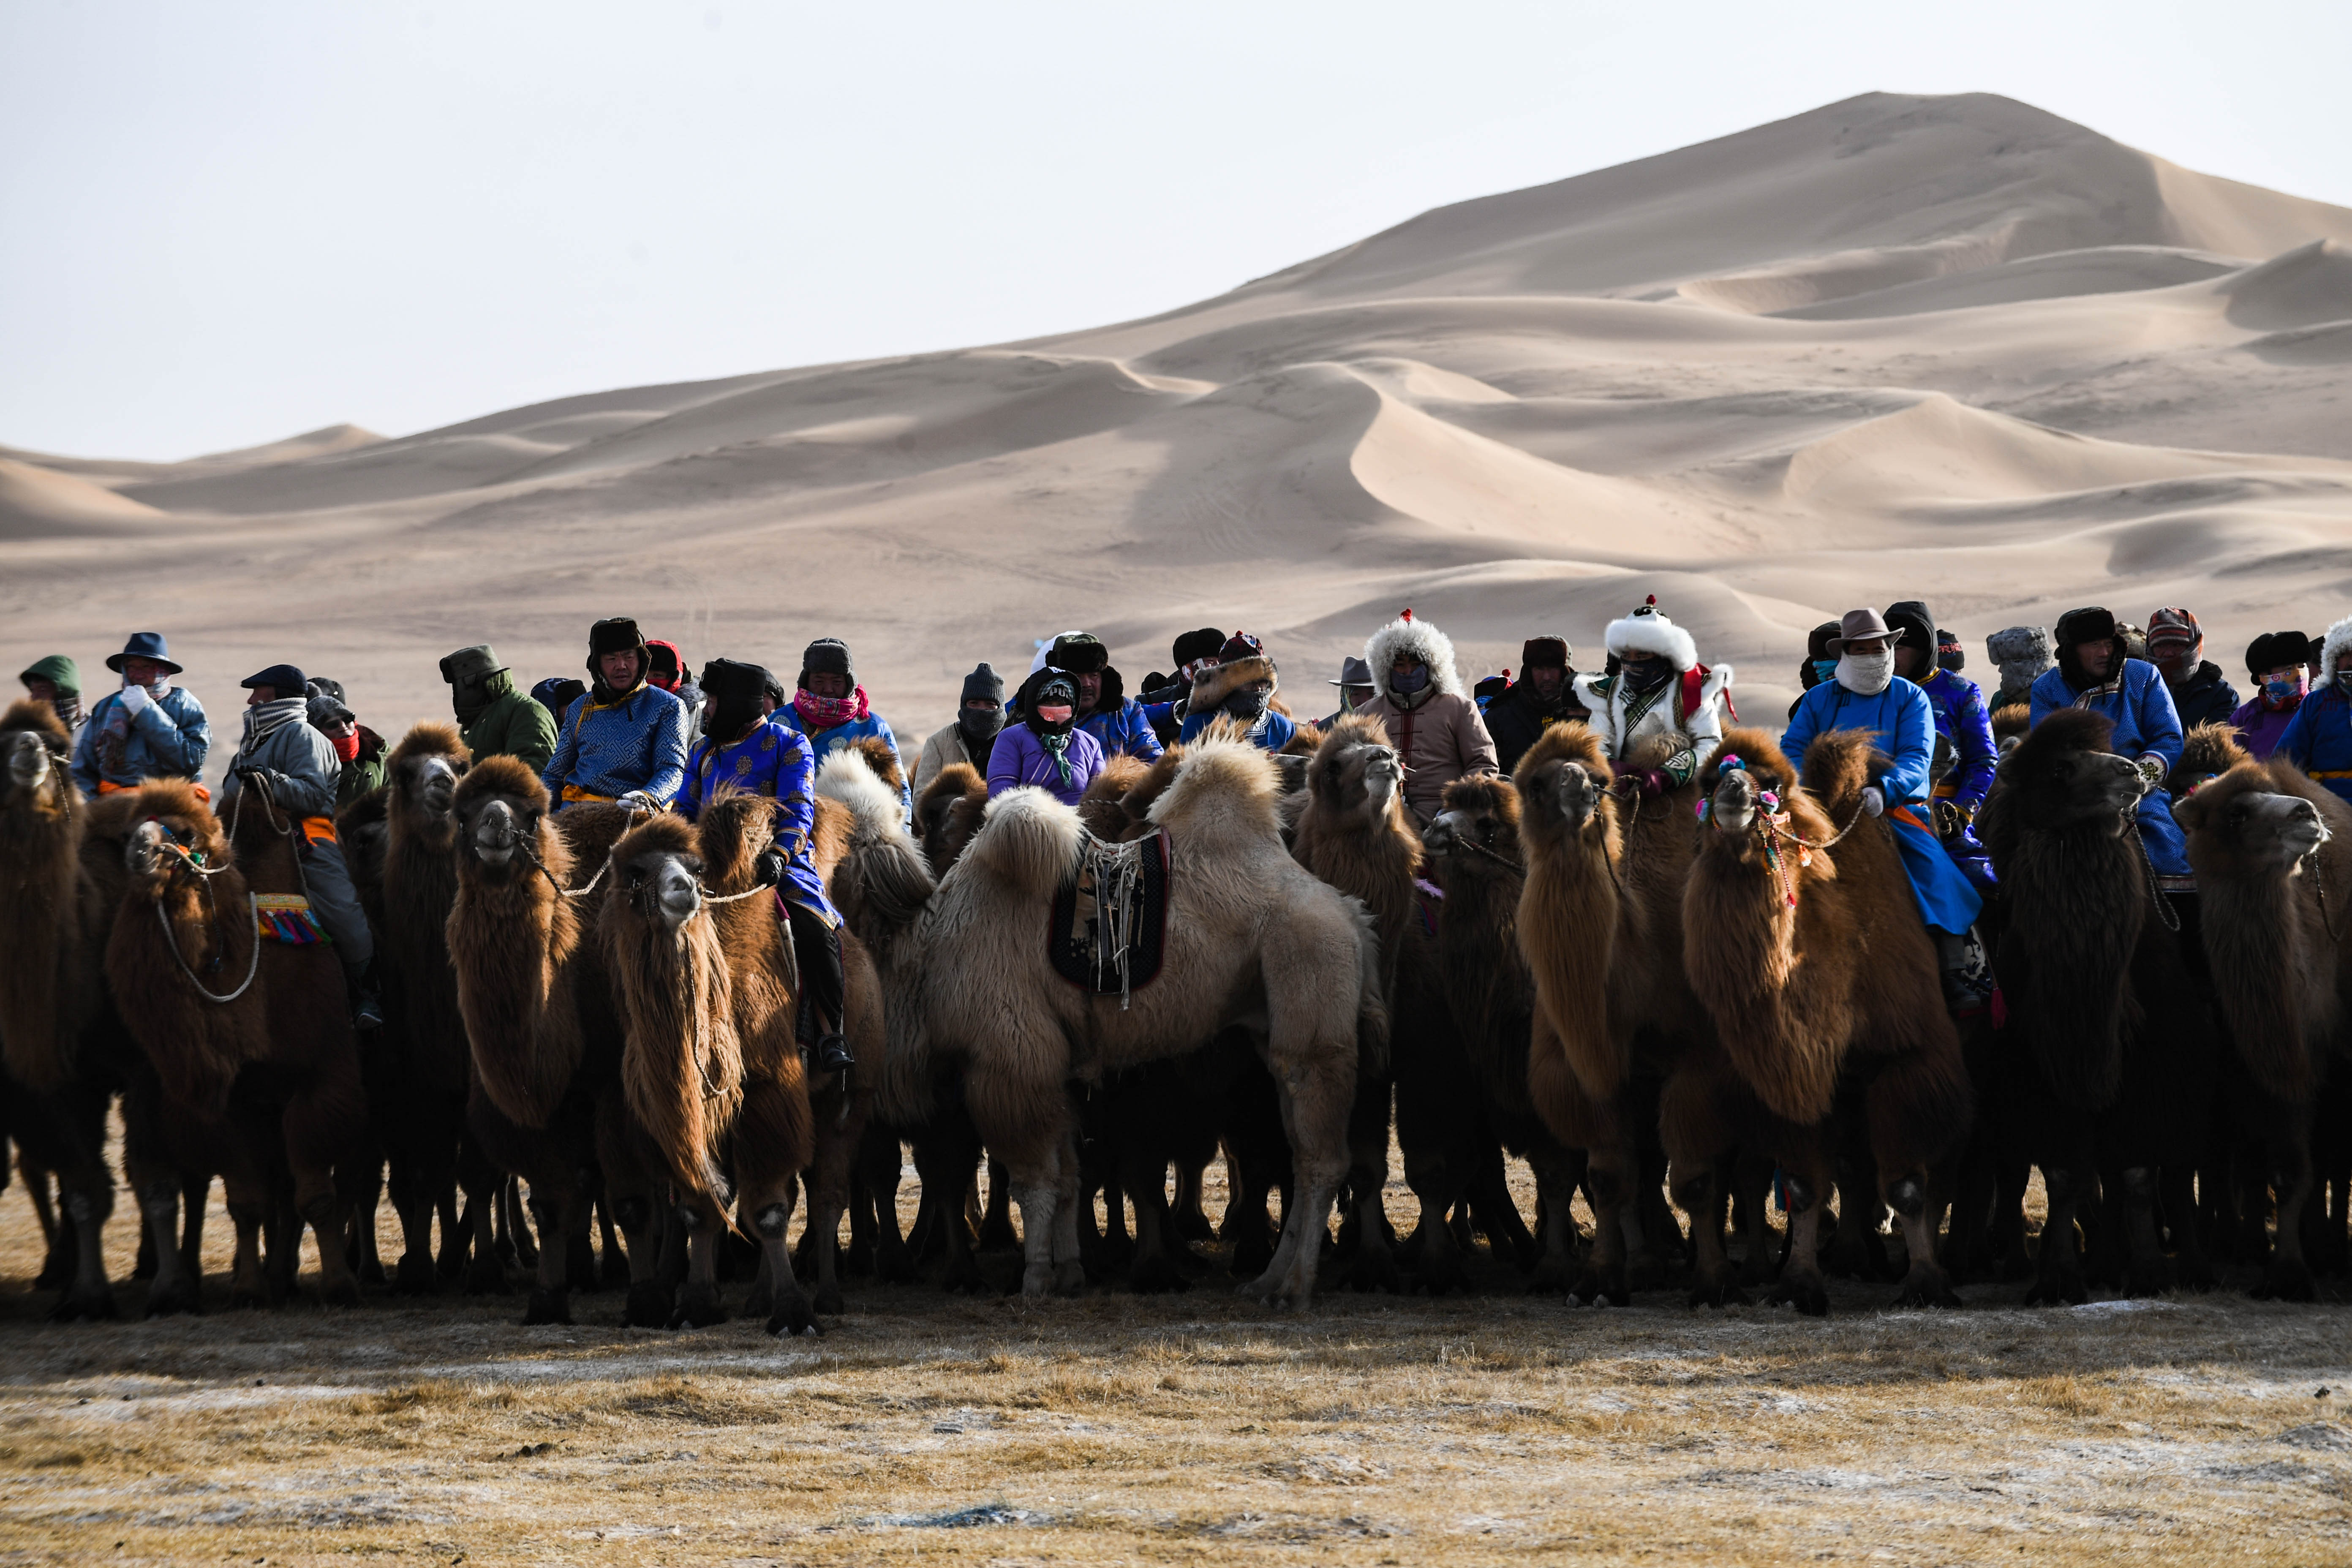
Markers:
point(143, 645)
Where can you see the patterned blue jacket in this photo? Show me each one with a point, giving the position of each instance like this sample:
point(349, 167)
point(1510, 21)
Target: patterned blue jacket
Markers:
point(775, 761)
point(1126, 728)
point(605, 750)
point(2145, 724)
point(841, 737)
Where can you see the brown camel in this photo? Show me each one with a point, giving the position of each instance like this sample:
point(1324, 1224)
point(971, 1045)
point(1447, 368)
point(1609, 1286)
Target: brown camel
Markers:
point(254, 1033)
point(948, 814)
point(1807, 949)
point(2273, 854)
point(1618, 1027)
point(1251, 937)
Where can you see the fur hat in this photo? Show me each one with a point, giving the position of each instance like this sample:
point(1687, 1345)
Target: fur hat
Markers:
point(616, 635)
point(1202, 643)
point(2091, 623)
point(557, 693)
point(2277, 650)
point(827, 656)
point(1817, 641)
point(983, 684)
point(2020, 646)
point(1081, 653)
point(2331, 650)
point(1544, 653)
point(1647, 630)
point(724, 677)
point(1241, 645)
point(1424, 642)
point(1213, 686)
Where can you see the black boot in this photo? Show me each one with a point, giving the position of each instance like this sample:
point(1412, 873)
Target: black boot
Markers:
point(367, 999)
point(1968, 984)
point(832, 1054)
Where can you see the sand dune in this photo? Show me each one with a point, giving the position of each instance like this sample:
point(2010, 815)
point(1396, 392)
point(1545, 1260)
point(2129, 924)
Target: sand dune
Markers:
point(1897, 346)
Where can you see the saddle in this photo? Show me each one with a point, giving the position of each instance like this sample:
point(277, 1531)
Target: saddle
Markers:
point(1107, 933)
point(286, 918)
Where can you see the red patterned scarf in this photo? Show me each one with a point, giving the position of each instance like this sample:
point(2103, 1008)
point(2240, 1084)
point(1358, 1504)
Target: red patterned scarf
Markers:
point(829, 712)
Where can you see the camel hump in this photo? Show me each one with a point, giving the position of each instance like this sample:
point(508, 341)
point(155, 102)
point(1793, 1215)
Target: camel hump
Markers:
point(2065, 730)
point(431, 738)
point(1756, 750)
point(881, 759)
point(1221, 784)
point(1028, 840)
point(1839, 765)
point(847, 776)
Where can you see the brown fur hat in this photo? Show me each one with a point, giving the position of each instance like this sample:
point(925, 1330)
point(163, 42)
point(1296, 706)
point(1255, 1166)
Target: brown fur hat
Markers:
point(1212, 687)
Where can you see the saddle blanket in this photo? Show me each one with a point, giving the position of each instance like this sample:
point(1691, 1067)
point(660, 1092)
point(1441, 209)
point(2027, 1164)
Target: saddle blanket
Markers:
point(1108, 930)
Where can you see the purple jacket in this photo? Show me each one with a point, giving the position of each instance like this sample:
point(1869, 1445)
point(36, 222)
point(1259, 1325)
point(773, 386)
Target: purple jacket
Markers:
point(2258, 728)
point(1021, 758)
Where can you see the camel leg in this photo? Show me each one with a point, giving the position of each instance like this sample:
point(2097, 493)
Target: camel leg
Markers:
point(2176, 1187)
point(1439, 1178)
point(517, 1226)
point(1314, 1074)
point(318, 1205)
point(561, 1210)
point(788, 1312)
point(1695, 1122)
point(249, 1205)
point(839, 1129)
point(1040, 1197)
point(473, 1170)
point(1192, 1219)
point(1917, 1110)
point(996, 1233)
point(704, 1228)
point(2060, 1274)
point(1808, 1175)
point(2288, 1275)
point(173, 1288)
point(1374, 1266)
point(1699, 1190)
point(1557, 1173)
point(1069, 1273)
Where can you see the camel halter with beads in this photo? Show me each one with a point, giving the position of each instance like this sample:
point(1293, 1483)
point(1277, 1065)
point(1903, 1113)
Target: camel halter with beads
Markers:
point(1771, 826)
point(192, 861)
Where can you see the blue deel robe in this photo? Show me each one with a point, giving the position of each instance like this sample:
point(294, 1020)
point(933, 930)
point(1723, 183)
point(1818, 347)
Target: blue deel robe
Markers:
point(1904, 724)
point(2319, 739)
point(776, 761)
point(841, 737)
point(603, 751)
point(2145, 724)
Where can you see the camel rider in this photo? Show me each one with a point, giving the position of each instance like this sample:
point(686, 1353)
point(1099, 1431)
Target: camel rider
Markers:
point(1866, 694)
point(1658, 689)
point(56, 681)
point(2021, 654)
point(1167, 697)
point(1544, 695)
point(1817, 665)
point(970, 735)
point(2281, 683)
point(624, 739)
point(1962, 770)
point(1355, 684)
point(2092, 672)
point(1239, 687)
point(557, 693)
point(2200, 693)
point(150, 729)
point(830, 707)
point(1106, 711)
point(297, 767)
point(1430, 719)
point(1041, 745)
point(1949, 654)
point(495, 718)
point(360, 749)
point(745, 746)
point(2319, 739)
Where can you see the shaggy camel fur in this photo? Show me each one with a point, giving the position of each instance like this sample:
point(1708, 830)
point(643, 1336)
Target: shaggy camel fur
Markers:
point(276, 1059)
point(948, 814)
point(2273, 852)
point(1618, 1027)
point(62, 1050)
point(2108, 1045)
point(1252, 937)
point(541, 1026)
point(1818, 970)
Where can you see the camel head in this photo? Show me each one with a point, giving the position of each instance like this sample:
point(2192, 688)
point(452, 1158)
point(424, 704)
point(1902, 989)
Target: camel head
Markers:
point(1477, 829)
point(2238, 825)
point(1356, 773)
point(33, 747)
point(1563, 784)
point(173, 836)
point(658, 868)
point(2063, 776)
point(1746, 768)
point(423, 771)
point(499, 807)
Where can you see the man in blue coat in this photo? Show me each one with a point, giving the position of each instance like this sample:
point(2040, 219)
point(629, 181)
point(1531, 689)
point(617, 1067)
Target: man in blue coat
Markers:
point(2092, 672)
point(1106, 711)
point(1962, 774)
point(1239, 687)
point(2319, 739)
point(624, 739)
point(1866, 694)
point(149, 729)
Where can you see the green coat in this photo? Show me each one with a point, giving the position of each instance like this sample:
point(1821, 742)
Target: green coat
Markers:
point(363, 773)
point(515, 725)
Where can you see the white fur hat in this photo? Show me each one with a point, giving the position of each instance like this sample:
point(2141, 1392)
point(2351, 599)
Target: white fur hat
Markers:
point(1647, 630)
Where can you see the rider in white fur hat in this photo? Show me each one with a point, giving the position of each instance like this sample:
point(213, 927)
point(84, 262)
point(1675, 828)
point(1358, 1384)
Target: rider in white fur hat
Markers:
point(1659, 689)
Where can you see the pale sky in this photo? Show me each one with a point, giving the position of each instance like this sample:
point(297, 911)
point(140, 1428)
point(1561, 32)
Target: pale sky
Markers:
point(229, 222)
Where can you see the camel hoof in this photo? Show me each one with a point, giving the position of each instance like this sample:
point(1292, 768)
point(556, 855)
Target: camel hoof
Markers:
point(963, 1277)
point(1552, 1276)
point(1595, 1284)
point(1717, 1293)
point(996, 1235)
point(895, 1265)
point(828, 1298)
point(179, 1297)
point(1193, 1226)
point(547, 1306)
point(2195, 1275)
point(1804, 1292)
point(1926, 1286)
point(698, 1310)
point(2286, 1280)
point(372, 1273)
point(486, 1277)
point(2148, 1276)
point(246, 1299)
point(343, 1292)
point(648, 1306)
point(1157, 1276)
point(1069, 1278)
point(415, 1275)
point(83, 1306)
point(1444, 1276)
point(795, 1318)
point(1375, 1270)
point(2057, 1290)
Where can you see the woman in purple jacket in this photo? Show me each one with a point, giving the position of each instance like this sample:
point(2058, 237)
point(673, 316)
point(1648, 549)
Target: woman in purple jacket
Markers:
point(1041, 746)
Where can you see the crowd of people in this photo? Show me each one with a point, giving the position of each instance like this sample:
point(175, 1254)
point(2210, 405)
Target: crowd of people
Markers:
point(646, 731)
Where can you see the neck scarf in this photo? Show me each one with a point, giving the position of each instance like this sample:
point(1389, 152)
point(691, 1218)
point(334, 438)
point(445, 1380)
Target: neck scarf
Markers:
point(346, 746)
point(1865, 674)
point(69, 707)
point(2091, 694)
point(829, 712)
point(267, 719)
point(2278, 697)
point(1646, 674)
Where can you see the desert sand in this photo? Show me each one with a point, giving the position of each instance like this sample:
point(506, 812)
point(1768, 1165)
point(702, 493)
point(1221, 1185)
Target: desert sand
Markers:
point(1897, 347)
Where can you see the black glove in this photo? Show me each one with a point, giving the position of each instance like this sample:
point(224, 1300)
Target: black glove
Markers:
point(768, 867)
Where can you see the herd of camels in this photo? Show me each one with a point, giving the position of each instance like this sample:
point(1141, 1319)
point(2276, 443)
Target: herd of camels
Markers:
point(1696, 1012)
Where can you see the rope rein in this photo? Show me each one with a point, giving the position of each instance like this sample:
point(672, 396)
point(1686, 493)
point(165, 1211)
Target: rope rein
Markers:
point(253, 966)
point(2319, 891)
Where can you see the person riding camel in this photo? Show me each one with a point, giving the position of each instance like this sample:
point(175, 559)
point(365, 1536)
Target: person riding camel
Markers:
point(1106, 711)
point(150, 729)
point(2021, 654)
point(748, 748)
point(623, 740)
point(360, 749)
point(970, 735)
point(1167, 697)
point(1965, 757)
point(2281, 683)
point(495, 718)
point(1817, 666)
point(829, 707)
point(2093, 672)
point(1041, 745)
point(1866, 694)
point(1544, 695)
point(2176, 646)
point(2319, 739)
point(1659, 687)
point(1430, 719)
point(1240, 686)
point(295, 768)
point(666, 668)
point(1355, 684)
point(56, 681)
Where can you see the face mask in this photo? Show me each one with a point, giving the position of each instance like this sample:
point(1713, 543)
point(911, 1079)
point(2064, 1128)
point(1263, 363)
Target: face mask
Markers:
point(980, 723)
point(347, 747)
point(1246, 703)
point(733, 713)
point(1824, 669)
point(2344, 683)
point(1411, 681)
point(1646, 675)
point(1055, 712)
point(1865, 674)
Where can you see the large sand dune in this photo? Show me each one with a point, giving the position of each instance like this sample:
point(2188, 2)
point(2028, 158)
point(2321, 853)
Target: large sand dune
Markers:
point(1895, 347)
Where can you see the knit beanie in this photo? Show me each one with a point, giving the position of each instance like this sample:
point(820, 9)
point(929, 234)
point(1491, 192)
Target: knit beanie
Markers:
point(983, 684)
point(2174, 625)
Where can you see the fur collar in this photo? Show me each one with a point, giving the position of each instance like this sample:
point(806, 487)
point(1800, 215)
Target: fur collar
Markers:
point(2340, 637)
point(1431, 646)
point(1213, 686)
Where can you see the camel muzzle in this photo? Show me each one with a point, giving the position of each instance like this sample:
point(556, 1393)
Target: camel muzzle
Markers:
point(674, 894)
point(1578, 796)
point(28, 761)
point(2300, 831)
point(496, 834)
point(439, 787)
point(1732, 808)
point(143, 849)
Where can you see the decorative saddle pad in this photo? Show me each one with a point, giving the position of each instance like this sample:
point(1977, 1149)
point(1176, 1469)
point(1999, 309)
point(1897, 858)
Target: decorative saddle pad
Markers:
point(1108, 930)
point(286, 918)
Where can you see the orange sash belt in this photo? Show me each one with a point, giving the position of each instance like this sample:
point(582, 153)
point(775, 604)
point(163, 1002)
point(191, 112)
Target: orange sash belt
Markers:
point(320, 830)
point(1904, 814)
point(107, 786)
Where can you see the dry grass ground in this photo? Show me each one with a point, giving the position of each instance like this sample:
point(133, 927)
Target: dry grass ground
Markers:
point(1185, 1428)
